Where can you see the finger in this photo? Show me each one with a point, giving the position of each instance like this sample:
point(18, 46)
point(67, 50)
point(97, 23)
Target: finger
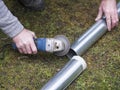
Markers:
point(108, 21)
point(33, 34)
point(114, 19)
point(100, 13)
point(20, 50)
point(24, 49)
point(117, 18)
point(33, 47)
point(28, 49)
point(19, 47)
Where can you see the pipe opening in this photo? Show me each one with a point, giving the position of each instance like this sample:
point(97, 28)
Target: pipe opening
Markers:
point(71, 53)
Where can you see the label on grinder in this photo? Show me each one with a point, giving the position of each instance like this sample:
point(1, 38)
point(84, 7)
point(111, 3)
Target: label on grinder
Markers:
point(54, 45)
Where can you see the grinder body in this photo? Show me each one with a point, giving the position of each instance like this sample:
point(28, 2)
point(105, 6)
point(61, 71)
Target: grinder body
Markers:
point(58, 45)
point(49, 45)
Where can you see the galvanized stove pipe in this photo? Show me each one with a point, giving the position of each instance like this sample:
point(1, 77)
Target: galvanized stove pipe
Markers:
point(67, 74)
point(90, 37)
point(77, 64)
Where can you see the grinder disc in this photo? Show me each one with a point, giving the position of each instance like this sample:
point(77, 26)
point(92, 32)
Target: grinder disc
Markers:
point(66, 45)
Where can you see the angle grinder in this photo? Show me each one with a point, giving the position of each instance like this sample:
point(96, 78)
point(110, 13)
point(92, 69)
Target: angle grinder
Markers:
point(59, 45)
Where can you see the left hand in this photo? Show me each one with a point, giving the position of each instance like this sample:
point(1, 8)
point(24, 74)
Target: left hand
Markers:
point(25, 43)
point(109, 9)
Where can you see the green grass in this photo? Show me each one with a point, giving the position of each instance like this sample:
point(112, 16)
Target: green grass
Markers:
point(71, 18)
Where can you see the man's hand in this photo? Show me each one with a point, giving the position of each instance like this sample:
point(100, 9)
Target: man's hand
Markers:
point(109, 9)
point(25, 43)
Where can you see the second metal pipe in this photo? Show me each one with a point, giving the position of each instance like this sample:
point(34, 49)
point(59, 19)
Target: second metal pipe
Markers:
point(90, 37)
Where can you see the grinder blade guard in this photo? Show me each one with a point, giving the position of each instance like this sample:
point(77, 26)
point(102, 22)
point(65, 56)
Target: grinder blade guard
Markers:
point(66, 45)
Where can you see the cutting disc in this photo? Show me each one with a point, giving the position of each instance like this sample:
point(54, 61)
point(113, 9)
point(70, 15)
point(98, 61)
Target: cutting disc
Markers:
point(66, 43)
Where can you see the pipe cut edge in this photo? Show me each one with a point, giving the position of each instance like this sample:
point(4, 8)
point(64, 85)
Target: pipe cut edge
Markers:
point(81, 60)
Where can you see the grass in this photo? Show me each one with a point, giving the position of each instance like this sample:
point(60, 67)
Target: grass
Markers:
point(71, 18)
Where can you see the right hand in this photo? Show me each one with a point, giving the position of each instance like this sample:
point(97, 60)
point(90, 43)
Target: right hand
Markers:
point(109, 9)
point(25, 43)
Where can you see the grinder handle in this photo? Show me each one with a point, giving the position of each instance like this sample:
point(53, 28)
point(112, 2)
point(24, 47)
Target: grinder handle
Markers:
point(39, 42)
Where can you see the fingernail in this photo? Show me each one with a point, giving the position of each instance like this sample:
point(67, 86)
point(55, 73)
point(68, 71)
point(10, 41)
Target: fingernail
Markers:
point(109, 29)
point(96, 19)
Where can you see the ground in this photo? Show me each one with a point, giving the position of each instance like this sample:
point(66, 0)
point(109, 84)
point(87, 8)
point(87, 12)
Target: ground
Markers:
point(71, 18)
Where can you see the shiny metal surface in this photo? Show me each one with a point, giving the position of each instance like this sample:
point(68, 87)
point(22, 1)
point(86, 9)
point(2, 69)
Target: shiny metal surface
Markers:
point(63, 78)
point(90, 37)
point(76, 64)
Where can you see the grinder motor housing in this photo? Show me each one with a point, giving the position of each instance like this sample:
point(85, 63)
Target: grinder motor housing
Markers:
point(59, 45)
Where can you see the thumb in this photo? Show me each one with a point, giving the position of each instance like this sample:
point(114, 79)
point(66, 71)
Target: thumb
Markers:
point(100, 13)
point(33, 34)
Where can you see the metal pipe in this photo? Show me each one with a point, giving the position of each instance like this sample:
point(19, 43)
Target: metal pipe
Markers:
point(67, 74)
point(77, 64)
point(90, 37)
